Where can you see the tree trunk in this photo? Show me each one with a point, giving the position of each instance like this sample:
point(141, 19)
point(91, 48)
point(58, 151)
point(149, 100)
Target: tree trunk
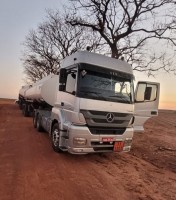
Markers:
point(114, 51)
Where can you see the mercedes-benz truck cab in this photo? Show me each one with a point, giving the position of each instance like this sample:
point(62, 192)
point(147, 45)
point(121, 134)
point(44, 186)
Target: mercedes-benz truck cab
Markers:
point(97, 109)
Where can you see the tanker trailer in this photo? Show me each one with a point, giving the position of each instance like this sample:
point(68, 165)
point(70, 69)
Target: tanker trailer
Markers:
point(41, 94)
point(21, 97)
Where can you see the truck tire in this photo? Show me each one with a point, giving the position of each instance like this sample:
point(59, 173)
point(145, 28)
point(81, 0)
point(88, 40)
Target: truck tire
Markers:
point(25, 110)
point(55, 137)
point(38, 123)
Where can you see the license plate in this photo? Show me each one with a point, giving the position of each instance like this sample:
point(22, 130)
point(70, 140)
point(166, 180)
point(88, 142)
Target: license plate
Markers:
point(106, 139)
point(118, 146)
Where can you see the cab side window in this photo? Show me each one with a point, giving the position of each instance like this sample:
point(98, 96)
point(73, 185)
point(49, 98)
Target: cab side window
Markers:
point(70, 84)
point(146, 92)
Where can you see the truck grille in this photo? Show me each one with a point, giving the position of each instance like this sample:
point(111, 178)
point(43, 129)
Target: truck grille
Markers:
point(105, 146)
point(106, 131)
point(99, 119)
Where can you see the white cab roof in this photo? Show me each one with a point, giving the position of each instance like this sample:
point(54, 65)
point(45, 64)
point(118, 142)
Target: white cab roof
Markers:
point(98, 60)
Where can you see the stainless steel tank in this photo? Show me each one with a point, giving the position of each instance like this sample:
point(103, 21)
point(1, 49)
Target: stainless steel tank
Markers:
point(44, 90)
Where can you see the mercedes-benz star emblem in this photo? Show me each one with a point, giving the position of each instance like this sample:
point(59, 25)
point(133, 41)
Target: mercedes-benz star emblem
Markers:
point(110, 117)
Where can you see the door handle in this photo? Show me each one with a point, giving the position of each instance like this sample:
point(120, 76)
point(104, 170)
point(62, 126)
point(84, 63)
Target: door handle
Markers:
point(154, 113)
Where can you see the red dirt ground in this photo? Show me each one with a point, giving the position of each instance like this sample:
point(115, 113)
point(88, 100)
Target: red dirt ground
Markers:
point(31, 170)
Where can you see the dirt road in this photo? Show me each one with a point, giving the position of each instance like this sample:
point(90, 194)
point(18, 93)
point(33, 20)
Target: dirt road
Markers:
point(31, 170)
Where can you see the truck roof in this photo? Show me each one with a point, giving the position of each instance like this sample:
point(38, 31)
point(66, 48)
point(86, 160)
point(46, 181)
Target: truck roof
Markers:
point(98, 60)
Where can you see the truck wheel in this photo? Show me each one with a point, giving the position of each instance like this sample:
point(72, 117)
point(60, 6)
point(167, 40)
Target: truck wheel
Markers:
point(55, 137)
point(25, 110)
point(38, 123)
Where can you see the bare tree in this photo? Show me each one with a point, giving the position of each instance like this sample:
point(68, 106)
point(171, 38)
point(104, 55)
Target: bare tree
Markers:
point(132, 29)
point(40, 58)
point(52, 41)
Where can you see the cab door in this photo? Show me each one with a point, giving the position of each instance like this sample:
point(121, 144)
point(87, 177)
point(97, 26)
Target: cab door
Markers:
point(146, 103)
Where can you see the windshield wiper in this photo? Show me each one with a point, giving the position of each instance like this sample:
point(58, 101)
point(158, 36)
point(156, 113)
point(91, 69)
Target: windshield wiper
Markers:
point(91, 92)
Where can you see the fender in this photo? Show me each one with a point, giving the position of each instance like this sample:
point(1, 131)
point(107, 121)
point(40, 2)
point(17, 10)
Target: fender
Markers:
point(57, 115)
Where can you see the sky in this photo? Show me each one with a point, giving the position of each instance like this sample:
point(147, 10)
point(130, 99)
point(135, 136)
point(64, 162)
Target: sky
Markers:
point(17, 17)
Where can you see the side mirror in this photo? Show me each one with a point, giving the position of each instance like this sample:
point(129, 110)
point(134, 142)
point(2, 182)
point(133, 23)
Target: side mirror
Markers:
point(62, 79)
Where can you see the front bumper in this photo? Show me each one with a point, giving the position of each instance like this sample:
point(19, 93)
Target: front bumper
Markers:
point(95, 143)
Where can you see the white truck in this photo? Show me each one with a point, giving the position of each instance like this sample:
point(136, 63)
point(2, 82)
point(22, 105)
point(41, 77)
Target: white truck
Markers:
point(91, 105)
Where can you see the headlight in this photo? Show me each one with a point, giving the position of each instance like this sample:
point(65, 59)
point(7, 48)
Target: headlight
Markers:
point(128, 142)
point(79, 141)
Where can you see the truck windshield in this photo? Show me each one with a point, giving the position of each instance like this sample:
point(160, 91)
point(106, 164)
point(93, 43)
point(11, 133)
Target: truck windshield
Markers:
point(105, 85)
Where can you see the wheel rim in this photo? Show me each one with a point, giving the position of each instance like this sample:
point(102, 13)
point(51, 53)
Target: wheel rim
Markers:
point(55, 137)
